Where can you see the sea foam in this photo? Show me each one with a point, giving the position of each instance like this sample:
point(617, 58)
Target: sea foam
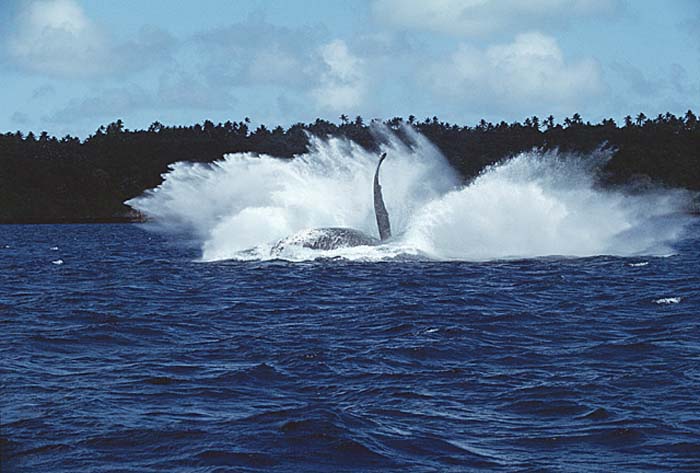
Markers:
point(668, 300)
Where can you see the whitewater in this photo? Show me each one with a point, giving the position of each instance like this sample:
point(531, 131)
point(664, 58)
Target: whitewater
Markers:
point(535, 204)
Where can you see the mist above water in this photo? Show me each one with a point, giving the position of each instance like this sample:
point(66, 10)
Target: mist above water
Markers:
point(535, 204)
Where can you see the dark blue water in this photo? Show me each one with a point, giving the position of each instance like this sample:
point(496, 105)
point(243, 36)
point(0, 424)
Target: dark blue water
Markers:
point(130, 356)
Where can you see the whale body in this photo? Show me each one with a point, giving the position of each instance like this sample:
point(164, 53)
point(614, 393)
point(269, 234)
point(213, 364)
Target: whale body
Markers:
point(331, 238)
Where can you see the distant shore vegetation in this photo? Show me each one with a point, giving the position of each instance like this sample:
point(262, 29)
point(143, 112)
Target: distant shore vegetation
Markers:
point(45, 179)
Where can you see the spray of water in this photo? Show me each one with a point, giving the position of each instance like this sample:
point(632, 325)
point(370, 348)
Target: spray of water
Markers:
point(535, 204)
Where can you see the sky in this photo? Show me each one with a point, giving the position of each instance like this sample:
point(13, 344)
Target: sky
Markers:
point(69, 66)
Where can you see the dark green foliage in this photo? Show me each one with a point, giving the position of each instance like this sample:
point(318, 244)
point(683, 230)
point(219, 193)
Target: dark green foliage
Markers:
point(49, 180)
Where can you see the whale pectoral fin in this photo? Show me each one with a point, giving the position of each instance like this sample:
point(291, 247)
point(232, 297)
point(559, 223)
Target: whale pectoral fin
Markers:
point(380, 211)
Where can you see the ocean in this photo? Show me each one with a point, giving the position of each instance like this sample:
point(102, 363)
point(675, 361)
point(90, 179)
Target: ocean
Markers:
point(526, 321)
point(121, 351)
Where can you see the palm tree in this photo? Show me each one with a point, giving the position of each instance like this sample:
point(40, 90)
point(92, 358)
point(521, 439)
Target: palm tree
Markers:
point(155, 127)
point(115, 128)
point(549, 122)
point(690, 119)
point(640, 118)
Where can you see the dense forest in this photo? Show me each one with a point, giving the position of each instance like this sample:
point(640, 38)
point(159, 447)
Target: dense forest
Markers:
point(45, 179)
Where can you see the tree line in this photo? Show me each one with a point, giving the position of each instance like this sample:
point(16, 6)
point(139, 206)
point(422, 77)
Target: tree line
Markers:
point(47, 179)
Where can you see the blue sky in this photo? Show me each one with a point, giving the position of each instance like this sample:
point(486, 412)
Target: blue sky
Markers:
point(68, 66)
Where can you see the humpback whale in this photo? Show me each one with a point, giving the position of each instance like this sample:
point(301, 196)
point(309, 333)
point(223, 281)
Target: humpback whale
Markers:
point(331, 238)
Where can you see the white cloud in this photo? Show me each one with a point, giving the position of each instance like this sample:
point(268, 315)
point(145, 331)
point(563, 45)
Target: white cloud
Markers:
point(635, 79)
point(57, 38)
point(176, 90)
point(149, 47)
point(681, 82)
point(692, 28)
point(342, 85)
point(482, 17)
point(286, 62)
point(529, 72)
point(184, 90)
point(672, 80)
point(43, 92)
point(19, 118)
point(258, 53)
point(109, 103)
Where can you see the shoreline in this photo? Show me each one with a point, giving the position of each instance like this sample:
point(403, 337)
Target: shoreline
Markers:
point(73, 221)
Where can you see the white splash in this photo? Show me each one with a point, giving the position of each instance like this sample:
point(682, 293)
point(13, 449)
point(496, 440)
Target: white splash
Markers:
point(546, 204)
point(536, 204)
point(668, 300)
point(57, 262)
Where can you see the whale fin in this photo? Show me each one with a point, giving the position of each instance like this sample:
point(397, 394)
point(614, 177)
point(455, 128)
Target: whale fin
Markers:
point(379, 207)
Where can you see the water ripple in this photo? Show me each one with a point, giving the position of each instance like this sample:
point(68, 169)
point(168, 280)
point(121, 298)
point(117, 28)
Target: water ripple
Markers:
point(131, 356)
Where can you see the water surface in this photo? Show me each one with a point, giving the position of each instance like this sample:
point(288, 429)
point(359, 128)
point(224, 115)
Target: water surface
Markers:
point(121, 352)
